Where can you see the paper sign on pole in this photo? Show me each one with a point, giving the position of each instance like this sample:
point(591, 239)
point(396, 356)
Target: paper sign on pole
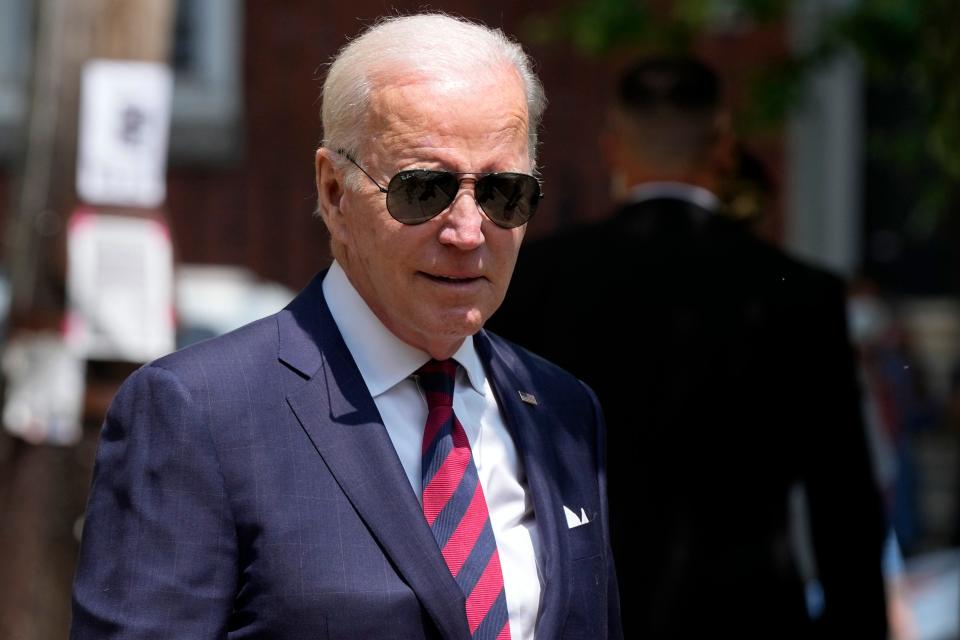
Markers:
point(43, 403)
point(119, 287)
point(124, 129)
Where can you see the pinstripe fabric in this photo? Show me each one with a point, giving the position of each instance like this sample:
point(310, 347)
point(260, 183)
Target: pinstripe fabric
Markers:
point(455, 508)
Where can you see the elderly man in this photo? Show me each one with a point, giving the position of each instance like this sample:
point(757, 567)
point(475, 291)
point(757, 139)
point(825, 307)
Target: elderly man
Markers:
point(369, 462)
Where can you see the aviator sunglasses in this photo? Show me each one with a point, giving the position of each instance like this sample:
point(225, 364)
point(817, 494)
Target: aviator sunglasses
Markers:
point(417, 195)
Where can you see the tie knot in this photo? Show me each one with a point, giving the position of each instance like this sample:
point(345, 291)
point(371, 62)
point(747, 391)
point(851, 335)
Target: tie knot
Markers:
point(437, 379)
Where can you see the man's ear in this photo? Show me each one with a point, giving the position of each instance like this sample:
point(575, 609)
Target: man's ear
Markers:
point(617, 155)
point(723, 153)
point(610, 140)
point(330, 192)
point(608, 148)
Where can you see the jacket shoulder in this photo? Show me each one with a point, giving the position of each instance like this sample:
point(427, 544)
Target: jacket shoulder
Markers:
point(543, 375)
point(238, 352)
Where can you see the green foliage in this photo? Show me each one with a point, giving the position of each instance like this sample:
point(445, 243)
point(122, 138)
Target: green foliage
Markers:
point(600, 27)
point(914, 47)
point(941, 80)
point(910, 44)
point(772, 90)
point(595, 28)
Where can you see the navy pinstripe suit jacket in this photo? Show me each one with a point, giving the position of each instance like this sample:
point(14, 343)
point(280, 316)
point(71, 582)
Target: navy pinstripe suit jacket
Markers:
point(246, 488)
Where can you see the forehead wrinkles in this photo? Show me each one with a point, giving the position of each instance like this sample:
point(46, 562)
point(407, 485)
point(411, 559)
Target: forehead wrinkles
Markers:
point(415, 111)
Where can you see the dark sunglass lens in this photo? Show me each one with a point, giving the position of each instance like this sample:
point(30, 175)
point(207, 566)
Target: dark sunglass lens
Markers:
point(509, 199)
point(416, 196)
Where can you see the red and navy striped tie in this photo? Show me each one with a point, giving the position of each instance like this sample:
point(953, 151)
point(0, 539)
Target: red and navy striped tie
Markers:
point(455, 508)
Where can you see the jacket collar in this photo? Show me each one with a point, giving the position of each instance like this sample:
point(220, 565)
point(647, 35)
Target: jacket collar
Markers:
point(531, 426)
point(342, 421)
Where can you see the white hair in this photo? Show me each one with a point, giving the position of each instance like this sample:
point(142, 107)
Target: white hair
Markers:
point(427, 43)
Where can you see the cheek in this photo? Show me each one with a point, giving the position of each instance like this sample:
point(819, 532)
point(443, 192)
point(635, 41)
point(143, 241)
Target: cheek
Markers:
point(350, 212)
point(385, 256)
point(361, 228)
point(507, 246)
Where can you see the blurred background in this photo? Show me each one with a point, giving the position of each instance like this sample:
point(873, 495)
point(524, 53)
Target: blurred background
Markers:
point(156, 188)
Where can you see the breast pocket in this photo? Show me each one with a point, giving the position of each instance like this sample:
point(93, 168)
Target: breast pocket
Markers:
point(585, 540)
point(588, 604)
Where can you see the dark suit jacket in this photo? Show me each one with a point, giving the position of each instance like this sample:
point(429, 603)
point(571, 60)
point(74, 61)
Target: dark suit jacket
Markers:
point(726, 377)
point(246, 488)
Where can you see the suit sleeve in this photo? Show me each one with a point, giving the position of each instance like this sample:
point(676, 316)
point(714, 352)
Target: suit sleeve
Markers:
point(158, 557)
point(846, 512)
point(614, 625)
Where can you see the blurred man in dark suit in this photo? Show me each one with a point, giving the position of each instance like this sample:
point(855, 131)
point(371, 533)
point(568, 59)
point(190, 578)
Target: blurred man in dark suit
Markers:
point(727, 378)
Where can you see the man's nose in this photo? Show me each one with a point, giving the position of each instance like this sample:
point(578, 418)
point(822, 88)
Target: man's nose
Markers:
point(463, 220)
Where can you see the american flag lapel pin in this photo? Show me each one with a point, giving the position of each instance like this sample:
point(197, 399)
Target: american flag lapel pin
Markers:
point(529, 398)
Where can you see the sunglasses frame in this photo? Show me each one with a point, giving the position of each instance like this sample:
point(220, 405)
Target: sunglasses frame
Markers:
point(478, 175)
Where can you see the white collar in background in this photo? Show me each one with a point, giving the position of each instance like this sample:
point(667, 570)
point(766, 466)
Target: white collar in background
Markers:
point(677, 191)
point(383, 358)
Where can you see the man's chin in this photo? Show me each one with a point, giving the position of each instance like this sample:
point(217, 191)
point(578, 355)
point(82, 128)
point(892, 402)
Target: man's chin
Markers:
point(459, 324)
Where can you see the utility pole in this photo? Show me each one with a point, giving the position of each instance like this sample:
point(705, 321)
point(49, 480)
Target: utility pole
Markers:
point(43, 489)
point(69, 33)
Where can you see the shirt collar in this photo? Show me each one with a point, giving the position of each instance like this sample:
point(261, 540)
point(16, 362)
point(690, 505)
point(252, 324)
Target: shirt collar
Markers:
point(383, 358)
point(676, 190)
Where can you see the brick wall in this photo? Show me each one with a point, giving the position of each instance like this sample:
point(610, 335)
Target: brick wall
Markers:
point(258, 212)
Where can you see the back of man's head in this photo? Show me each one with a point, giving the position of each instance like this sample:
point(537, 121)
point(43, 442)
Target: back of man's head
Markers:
point(668, 114)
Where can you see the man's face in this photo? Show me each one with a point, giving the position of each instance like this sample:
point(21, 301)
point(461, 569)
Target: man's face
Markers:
point(435, 283)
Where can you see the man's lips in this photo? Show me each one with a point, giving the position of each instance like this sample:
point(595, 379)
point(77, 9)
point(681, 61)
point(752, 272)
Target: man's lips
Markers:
point(452, 279)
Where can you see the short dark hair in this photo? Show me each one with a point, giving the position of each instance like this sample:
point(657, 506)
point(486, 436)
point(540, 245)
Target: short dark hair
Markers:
point(681, 84)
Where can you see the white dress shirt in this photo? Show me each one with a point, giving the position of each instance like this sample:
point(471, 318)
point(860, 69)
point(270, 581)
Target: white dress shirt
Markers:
point(692, 193)
point(387, 364)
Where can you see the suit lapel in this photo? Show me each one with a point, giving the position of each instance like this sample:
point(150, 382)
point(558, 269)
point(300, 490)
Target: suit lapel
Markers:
point(342, 421)
point(529, 425)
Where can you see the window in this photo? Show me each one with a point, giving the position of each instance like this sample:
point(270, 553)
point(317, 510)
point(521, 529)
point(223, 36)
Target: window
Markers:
point(14, 52)
point(207, 97)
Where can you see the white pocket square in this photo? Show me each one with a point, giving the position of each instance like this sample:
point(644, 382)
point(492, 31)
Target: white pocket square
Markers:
point(573, 520)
